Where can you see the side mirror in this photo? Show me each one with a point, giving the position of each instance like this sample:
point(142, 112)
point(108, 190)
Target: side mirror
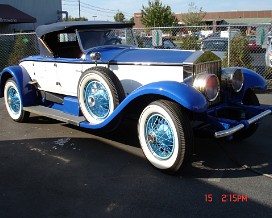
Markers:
point(95, 56)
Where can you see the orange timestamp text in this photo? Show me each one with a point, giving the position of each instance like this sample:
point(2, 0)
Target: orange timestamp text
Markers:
point(227, 198)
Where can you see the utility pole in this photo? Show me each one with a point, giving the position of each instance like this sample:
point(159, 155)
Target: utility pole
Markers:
point(79, 8)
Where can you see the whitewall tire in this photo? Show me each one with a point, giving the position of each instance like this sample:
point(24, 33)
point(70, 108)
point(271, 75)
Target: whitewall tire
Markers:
point(165, 135)
point(99, 93)
point(13, 102)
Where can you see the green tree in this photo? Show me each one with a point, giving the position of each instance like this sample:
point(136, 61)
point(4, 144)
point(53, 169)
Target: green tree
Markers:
point(119, 17)
point(239, 54)
point(194, 17)
point(70, 18)
point(158, 15)
point(131, 20)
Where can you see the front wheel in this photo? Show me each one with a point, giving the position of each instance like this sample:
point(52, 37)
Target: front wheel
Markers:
point(13, 102)
point(165, 135)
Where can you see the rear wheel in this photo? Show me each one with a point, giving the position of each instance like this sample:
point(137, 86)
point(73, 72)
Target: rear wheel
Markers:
point(165, 135)
point(99, 93)
point(13, 102)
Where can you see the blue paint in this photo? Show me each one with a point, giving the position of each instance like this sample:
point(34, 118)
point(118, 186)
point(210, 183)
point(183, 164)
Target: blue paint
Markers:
point(220, 123)
point(27, 92)
point(133, 55)
point(181, 93)
point(116, 55)
point(70, 106)
point(251, 80)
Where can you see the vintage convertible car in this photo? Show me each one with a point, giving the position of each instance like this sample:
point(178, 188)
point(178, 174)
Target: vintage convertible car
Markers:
point(91, 74)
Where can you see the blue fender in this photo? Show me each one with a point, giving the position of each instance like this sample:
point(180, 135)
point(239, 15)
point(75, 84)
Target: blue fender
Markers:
point(28, 92)
point(253, 80)
point(184, 94)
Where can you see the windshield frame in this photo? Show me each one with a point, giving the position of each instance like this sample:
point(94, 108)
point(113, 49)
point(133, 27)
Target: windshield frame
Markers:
point(85, 50)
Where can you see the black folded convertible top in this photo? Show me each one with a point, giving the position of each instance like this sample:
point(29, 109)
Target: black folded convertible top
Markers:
point(44, 29)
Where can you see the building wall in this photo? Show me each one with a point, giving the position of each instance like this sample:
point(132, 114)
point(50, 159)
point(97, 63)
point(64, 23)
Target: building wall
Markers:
point(45, 11)
point(218, 15)
point(239, 14)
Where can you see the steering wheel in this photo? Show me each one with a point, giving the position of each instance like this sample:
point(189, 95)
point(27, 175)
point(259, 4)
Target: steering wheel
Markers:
point(113, 41)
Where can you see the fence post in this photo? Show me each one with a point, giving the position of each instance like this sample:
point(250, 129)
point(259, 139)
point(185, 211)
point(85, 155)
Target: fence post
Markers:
point(229, 34)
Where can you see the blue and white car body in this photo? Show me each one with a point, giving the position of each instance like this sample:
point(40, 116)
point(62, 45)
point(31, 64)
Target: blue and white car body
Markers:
point(88, 76)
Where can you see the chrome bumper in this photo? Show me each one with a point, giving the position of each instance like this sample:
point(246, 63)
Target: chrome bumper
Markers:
point(234, 129)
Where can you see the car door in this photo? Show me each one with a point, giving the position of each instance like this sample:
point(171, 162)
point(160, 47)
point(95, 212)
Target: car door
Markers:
point(68, 72)
point(45, 73)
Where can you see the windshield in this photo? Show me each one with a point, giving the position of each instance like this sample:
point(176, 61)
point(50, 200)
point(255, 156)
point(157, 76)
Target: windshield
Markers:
point(93, 38)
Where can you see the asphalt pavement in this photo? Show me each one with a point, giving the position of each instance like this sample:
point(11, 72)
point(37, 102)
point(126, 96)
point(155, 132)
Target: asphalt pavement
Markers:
point(50, 169)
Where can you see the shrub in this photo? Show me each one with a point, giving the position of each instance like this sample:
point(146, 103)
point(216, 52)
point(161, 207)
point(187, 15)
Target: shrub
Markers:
point(189, 43)
point(239, 54)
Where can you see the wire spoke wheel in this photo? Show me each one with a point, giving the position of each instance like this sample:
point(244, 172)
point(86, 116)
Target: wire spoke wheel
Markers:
point(99, 93)
point(159, 136)
point(97, 99)
point(165, 135)
point(13, 102)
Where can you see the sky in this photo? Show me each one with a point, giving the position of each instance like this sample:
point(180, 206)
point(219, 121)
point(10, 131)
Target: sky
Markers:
point(106, 9)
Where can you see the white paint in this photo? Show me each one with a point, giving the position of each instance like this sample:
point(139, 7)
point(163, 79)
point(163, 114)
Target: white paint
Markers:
point(69, 75)
point(134, 76)
point(45, 73)
point(63, 78)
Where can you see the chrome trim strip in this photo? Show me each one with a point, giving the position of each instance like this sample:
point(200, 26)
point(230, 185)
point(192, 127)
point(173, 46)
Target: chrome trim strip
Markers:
point(81, 61)
point(147, 63)
point(230, 131)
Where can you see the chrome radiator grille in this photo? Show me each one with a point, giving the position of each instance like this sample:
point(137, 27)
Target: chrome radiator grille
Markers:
point(211, 67)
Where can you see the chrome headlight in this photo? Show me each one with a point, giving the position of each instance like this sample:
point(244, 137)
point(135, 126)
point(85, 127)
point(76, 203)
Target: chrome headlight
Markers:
point(233, 78)
point(208, 84)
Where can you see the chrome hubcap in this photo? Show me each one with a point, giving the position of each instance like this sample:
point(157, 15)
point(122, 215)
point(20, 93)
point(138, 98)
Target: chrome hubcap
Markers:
point(151, 138)
point(91, 101)
point(9, 101)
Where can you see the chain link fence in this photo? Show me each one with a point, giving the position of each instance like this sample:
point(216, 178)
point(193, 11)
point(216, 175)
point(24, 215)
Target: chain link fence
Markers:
point(14, 47)
point(243, 45)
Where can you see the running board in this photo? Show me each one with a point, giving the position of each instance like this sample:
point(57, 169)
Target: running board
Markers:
point(55, 114)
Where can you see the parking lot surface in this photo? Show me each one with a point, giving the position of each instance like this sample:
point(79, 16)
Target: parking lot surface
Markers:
point(50, 169)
